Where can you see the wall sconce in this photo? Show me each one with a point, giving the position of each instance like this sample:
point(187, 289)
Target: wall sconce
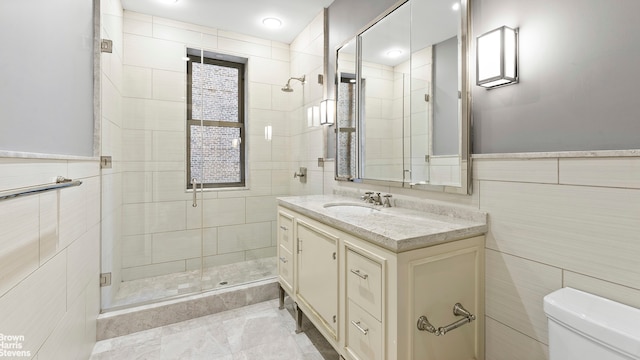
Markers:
point(327, 112)
point(497, 58)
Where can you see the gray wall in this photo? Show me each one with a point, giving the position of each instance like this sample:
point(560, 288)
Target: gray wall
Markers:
point(445, 98)
point(579, 77)
point(46, 76)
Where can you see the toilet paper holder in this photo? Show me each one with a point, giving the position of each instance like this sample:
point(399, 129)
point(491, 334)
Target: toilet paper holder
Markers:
point(458, 310)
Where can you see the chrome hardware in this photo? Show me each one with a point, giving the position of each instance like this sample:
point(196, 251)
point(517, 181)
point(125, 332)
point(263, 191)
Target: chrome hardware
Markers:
point(105, 279)
point(335, 318)
point(357, 325)
point(194, 186)
point(302, 174)
point(376, 200)
point(335, 256)
point(299, 246)
point(283, 228)
point(367, 197)
point(61, 182)
point(387, 202)
point(359, 274)
point(283, 259)
point(106, 46)
point(458, 310)
point(106, 162)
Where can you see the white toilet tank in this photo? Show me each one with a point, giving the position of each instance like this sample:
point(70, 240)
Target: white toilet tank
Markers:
point(583, 326)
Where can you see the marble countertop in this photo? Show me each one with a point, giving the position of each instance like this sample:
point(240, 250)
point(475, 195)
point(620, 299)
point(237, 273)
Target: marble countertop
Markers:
point(396, 229)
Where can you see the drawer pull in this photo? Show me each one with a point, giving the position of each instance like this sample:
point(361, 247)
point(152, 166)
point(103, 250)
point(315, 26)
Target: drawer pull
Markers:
point(283, 228)
point(458, 310)
point(359, 274)
point(284, 260)
point(357, 325)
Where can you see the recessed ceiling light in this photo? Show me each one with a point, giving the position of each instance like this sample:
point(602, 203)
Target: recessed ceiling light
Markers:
point(456, 7)
point(272, 23)
point(394, 53)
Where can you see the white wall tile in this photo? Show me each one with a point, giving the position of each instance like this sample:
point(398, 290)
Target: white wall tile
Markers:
point(153, 53)
point(37, 304)
point(137, 27)
point(141, 272)
point(268, 71)
point(261, 208)
point(169, 86)
point(49, 230)
point(504, 343)
point(66, 340)
point(137, 82)
point(610, 172)
point(137, 187)
point(17, 173)
point(145, 114)
point(136, 145)
point(166, 216)
point(136, 250)
point(83, 169)
point(220, 212)
point(514, 291)
point(244, 237)
point(73, 214)
point(523, 170)
point(19, 234)
point(589, 230)
point(259, 96)
point(216, 260)
point(170, 185)
point(176, 245)
point(82, 265)
point(606, 289)
point(242, 47)
point(189, 37)
point(169, 146)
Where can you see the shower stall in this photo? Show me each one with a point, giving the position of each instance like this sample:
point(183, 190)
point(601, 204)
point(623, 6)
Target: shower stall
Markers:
point(189, 185)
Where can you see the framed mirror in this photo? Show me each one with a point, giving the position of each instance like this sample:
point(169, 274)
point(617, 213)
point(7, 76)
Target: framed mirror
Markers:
point(412, 98)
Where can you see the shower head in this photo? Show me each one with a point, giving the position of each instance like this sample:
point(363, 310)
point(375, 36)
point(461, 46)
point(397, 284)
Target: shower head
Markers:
point(288, 88)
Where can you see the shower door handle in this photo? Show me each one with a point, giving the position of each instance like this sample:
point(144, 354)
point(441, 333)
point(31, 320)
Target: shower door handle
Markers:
point(194, 186)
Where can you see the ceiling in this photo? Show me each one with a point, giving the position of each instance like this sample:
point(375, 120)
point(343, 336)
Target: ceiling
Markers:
point(241, 16)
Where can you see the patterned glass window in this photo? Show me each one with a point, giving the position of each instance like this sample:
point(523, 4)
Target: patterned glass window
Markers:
point(215, 121)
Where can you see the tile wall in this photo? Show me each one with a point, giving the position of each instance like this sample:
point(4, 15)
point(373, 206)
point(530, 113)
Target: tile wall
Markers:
point(555, 220)
point(49, 259)
point(160, 227)
point(306, 143)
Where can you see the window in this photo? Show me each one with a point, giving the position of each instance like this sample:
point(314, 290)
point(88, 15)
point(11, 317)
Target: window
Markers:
point(215, 120)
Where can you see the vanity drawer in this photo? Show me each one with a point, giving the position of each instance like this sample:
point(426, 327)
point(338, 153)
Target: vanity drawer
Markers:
point(285, 268)
point(285, 231)
point(364, 283)
point(364, 334)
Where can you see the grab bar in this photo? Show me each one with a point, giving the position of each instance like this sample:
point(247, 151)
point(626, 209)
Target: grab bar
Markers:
point(458, 310)
point(61, 183)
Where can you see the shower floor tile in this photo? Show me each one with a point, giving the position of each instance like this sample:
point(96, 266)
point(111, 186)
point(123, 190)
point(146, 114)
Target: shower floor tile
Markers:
point(255, 332)
point(189, 282)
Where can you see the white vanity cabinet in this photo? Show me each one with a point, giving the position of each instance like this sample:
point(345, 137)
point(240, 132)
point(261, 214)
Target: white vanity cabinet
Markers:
point(366, 299)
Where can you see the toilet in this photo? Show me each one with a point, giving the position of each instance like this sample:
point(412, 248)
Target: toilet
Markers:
point(583, 326)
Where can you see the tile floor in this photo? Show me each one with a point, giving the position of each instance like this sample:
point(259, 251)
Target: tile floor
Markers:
point(188, 282)
point(255, 332)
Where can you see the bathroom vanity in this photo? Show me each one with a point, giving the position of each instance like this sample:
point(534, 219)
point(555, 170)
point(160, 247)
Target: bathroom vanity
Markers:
point(368, 277)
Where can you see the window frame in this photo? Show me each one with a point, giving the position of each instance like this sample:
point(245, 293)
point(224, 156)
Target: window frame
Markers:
point(208, 58)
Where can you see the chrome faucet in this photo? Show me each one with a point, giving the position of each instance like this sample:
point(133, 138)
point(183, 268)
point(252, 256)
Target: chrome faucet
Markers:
point(376, 199)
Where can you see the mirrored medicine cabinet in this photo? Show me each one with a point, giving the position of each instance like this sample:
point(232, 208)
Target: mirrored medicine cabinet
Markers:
point(402, 99)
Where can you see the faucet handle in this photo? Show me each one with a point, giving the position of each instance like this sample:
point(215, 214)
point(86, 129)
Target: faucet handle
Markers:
point(387, 202)
point(367, 196)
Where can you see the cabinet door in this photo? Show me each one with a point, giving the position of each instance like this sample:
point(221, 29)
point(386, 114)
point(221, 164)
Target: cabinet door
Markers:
point(318, 274)
point(437, 283)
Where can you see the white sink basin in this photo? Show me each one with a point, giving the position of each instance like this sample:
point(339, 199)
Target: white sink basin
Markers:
point(351, 208)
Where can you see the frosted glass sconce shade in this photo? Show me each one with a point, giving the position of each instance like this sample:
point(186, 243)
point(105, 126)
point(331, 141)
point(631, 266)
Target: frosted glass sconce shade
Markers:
point(327, 112)
point(497, 58)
